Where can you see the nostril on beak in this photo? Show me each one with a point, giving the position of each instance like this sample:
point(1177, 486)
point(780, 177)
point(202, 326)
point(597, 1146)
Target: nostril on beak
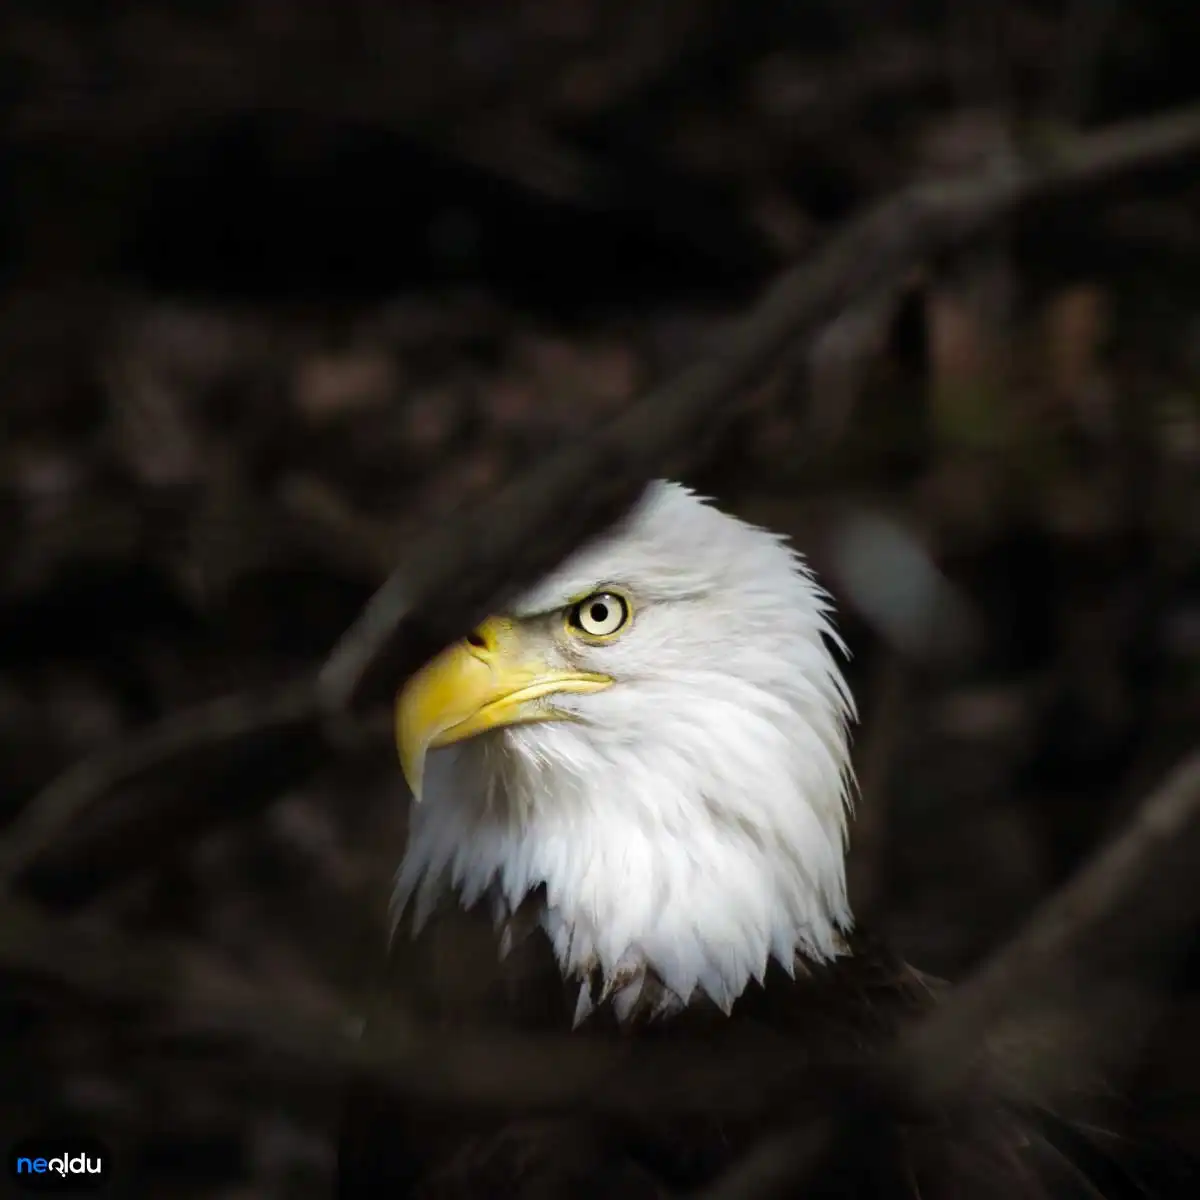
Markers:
point(476, 639)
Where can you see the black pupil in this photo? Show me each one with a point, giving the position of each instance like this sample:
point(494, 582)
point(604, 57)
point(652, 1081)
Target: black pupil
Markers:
point(599, 612)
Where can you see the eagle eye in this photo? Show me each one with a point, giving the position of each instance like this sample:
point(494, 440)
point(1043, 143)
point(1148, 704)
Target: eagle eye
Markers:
point(600, 615)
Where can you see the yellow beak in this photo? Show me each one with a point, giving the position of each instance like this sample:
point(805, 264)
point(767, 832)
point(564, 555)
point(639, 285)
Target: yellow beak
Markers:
point(484, 682)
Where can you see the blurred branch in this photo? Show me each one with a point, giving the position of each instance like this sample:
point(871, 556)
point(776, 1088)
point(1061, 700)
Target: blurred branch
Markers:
point(546, 1072)
point(1092, 910)
point(939, 1057)
point(461, 571)
point(227, 719)
point(1128, 146)
point(189, 990)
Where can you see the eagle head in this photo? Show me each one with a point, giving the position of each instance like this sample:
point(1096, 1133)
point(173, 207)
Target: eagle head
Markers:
point(657, 735)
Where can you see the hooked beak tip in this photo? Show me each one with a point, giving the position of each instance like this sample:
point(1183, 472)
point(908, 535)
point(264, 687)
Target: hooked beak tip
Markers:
point(412, 766)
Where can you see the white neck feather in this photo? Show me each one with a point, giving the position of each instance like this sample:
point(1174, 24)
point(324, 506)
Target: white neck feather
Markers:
point(697, 856)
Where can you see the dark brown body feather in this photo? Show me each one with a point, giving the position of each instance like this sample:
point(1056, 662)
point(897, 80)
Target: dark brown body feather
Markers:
point(845, 1012)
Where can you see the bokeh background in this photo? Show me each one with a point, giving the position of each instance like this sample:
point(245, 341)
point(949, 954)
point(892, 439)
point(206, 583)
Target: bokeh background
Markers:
point(286, 283)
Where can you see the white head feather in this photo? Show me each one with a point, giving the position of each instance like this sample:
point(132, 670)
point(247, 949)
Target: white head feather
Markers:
point(692, 820)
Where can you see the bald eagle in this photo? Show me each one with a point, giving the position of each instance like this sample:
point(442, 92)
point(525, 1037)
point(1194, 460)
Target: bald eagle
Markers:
point(631, 801)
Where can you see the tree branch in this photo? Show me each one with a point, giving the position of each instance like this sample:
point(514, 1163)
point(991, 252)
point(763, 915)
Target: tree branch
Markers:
point(187, 990)
point(518, 1071)
point(227, 719)
point(1082, 920)
point(463, 570)
point(942, 1055)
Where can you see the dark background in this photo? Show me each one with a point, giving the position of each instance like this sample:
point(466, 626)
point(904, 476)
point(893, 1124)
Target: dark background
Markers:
point(284, 283)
